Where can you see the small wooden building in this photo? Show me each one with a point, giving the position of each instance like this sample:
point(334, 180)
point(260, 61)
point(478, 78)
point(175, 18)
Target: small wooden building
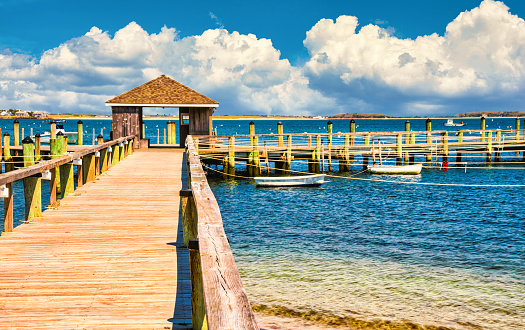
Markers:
point(195, 109)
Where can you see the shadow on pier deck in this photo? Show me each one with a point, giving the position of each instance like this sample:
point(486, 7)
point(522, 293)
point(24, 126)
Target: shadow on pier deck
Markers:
point(111, 256)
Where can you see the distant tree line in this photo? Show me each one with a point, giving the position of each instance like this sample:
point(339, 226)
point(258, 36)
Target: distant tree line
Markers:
point(492, 114)
point(359, 115)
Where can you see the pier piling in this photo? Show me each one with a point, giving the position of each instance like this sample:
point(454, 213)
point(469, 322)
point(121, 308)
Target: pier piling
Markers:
point(80, 132)
point(429, 138)
point(198, 315)
point(16, 133)
point(189, 216)
point(280, 133)
point(32, 184)
point(8, 159)
point(173, 133)
point(482, 127)
point(67, 184)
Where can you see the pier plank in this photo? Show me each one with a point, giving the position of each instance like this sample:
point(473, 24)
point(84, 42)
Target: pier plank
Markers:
point(110, 257)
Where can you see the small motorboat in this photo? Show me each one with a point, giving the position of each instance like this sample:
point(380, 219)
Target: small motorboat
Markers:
point(403, 170)
point(290, 181)
point(56, 121)
point(72, 137)
point(451, 123)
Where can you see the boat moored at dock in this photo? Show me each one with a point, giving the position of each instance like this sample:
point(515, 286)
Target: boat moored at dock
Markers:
point(290, 181)
point(404, 170)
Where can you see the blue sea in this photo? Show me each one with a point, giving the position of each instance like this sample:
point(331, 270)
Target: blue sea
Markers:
point(409, 250)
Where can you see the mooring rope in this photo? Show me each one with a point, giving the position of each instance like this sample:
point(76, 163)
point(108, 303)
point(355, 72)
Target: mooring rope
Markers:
point(352, 177)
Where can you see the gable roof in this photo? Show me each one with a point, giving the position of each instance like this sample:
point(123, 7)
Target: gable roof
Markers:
point(162, 92)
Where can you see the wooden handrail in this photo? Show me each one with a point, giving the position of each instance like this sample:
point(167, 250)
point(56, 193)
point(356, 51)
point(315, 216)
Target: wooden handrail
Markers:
point(225, 299)
point(59, 166)
point(49, 164)
point(368, 133)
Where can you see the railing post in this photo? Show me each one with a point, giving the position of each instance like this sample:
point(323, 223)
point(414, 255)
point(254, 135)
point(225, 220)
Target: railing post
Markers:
point(288, 154)
point(173, 132)
point(343, 163)
point(366, 159)
point(497, 154)
point(104, 160)
point(8, 159)
point(55, 151)
point(407, 140)
point(189, 215)
point(116, 155)
point(329, 131)
point(489, 147)
point(445, 145)
point(88, 168)
point(399, 149)
point(32, 184)
point(8, 208)
point(482, 126)
point(80, 173)
point(67, 185)
point(130, 147)
point(256, 159)
point(231, 155)
point(429, 139)
point(198, 315)
point(517, 133)
point(460, 140)
point(122, 147)
point(412, 141)
point(317, 162)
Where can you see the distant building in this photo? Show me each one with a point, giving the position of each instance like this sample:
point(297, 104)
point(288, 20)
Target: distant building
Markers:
point(5, 113)
point(21, 114)
point(39, 114)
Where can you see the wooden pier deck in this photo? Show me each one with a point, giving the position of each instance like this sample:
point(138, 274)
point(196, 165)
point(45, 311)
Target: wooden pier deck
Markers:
point(110, 257)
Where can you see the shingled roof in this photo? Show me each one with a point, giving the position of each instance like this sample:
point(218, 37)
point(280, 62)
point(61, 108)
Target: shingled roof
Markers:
point(162, 92)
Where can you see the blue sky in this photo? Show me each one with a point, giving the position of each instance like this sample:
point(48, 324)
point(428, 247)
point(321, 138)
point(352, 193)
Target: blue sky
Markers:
point(298, 73)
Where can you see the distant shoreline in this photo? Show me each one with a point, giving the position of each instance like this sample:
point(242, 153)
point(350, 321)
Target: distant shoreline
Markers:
point(88, 117)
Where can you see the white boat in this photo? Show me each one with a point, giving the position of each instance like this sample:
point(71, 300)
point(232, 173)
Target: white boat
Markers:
point(451, 123)
point(405, 169)
point(72, 137)
point(289, 181)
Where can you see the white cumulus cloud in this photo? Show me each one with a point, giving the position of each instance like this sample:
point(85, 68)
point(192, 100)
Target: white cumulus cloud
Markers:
point(482, 54)
point(478, 64)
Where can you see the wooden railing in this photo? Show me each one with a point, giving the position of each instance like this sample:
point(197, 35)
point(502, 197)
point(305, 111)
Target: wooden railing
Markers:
point(219, 300)
point(90, 161)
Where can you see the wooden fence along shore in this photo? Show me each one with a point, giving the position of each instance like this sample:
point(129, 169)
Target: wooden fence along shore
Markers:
point(323, 152)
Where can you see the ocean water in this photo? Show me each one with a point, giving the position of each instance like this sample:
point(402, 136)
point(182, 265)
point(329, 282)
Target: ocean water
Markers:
point(407, 251)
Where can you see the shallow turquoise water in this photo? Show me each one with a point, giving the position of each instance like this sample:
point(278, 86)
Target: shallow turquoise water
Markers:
point(434, 255)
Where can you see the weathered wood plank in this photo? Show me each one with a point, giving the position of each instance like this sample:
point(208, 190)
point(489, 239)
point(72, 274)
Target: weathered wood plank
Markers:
point(227, 304)
point(110, 257)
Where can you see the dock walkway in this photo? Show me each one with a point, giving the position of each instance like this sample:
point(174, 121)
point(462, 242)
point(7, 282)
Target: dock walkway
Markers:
point(110, 257)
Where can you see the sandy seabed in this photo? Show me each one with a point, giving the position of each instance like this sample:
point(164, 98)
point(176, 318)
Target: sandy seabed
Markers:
point(270, 322)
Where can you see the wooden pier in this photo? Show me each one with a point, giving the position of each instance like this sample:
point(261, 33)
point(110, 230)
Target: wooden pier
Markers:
point(130, 248)
point(326, 152)
point(110, 257)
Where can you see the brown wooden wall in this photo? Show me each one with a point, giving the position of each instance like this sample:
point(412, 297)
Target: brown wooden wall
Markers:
point(126, 121)
point(201, 121)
